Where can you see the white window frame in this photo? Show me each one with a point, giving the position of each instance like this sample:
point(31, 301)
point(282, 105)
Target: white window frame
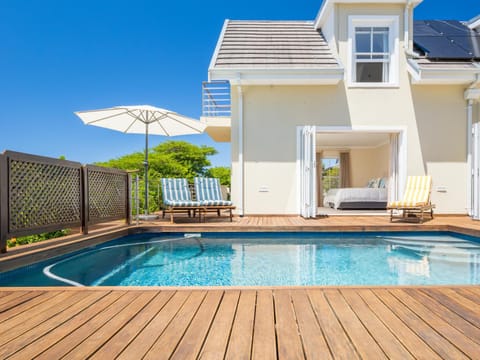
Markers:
point(391, 22)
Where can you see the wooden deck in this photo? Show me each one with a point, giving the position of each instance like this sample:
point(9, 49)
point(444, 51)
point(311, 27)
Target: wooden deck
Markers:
point(312, 323)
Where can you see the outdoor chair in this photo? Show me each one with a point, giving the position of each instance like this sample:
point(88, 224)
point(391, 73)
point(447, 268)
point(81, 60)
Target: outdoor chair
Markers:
point(209, 195)
point(416, 200)
point(177, 198)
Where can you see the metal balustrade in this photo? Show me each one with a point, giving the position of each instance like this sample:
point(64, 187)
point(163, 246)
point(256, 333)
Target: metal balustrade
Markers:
point(216, 100)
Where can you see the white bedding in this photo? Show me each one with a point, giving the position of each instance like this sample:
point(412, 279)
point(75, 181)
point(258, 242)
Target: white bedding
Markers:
point(343, 197)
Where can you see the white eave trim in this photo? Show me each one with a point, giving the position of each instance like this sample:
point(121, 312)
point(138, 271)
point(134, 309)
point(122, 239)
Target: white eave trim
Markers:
point(474, 23)
point(269, 76)
point(328, 4)
point(213, 61)
point(439, 76)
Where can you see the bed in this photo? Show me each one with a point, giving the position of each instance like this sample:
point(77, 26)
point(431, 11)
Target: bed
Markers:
point(370, 197)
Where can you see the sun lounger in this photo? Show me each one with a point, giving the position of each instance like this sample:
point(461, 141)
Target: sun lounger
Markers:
point(177, 198)
point(416, 200)
point(209, 195)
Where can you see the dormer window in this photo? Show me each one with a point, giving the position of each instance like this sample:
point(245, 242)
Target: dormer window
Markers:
point(373, 51)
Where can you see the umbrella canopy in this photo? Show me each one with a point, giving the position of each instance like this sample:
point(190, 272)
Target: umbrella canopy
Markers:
point(142, 119)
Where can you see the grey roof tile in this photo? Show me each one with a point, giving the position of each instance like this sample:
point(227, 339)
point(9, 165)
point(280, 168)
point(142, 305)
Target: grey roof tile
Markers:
point(273, 44)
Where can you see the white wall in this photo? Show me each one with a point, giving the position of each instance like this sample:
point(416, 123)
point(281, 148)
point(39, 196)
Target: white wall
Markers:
point(368, 163)
point(434, 116)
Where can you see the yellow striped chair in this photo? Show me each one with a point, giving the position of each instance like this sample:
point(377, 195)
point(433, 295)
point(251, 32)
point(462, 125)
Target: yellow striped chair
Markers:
point(416, 199)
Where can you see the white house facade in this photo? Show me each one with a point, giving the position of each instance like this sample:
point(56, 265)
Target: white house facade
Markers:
point(364, 86)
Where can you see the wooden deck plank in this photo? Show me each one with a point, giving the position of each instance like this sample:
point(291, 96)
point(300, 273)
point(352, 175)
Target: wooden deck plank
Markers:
point(458, 339)
point(264, 345)
point(7, 297)
point(314, 343)
point(363, 342)
point(415, 345)
point(116, 344)
point(392, 347)
point(458, 304)
point(62, 347)
point(403, 322)
point(147, 337)
point(26, 306)
point(45, 327)
point(91, 344)
point(16, 302)
point(469, 294)
point(240, 343)
point(448, 315)
point(166, 344)
point(443, 348)
point(16, 326)
point(338, 342)
point(289, 343)
point(215, 345)
point(55, 335)
point(191, 343)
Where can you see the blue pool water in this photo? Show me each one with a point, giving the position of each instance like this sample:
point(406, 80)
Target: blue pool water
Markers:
point(263, 259)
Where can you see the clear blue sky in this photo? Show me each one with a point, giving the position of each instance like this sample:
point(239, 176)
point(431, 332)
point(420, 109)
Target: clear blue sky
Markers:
point(59, 56)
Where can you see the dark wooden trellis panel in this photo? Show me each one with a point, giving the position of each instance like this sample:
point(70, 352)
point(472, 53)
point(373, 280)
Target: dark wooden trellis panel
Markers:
point(108, 194)
point(39, 194)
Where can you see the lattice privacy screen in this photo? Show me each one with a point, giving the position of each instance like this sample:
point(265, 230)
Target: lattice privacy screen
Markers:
point(107, 191)
point(42, 193)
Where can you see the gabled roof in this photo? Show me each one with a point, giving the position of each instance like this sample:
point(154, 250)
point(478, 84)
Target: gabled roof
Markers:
point(446, 40)
point(272, 44)
point(274, 52)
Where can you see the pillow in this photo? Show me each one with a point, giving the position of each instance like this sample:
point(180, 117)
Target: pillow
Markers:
point(372, 183)
point(382, 183)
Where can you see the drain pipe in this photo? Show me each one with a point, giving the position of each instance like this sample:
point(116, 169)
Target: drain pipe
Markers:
point(471, 209)
point(407, 44)
point(241, 177)
point(470, 173)
point(406, 25)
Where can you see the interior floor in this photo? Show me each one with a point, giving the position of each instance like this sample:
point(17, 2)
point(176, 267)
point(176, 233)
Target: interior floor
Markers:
point(333, 212)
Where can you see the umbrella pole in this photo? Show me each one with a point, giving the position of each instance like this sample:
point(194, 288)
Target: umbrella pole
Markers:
point(146, 169)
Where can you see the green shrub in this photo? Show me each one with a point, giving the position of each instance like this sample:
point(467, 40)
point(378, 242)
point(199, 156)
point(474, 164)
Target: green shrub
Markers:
point(37, 238)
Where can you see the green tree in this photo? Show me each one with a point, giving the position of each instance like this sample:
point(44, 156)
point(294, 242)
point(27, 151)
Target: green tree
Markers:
point(169, 159)
point(221, 172)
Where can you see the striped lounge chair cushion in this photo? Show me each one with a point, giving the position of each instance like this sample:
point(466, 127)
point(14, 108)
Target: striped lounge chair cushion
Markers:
point(417, 193)
point(209, 192)
point(216, 203)
point(175, 192)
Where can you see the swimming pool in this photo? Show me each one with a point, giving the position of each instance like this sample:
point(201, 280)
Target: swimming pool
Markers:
point(263, 259)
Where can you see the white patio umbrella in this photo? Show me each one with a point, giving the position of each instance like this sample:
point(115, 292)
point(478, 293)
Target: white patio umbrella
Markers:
point(142, 119)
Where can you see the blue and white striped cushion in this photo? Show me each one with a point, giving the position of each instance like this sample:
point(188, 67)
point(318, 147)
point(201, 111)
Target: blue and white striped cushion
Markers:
point(175, 190)
point(180, 203)
point(215, 203)
point(207, 189)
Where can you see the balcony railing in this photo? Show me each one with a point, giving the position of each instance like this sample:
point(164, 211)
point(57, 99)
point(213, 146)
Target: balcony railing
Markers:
point(216, 100)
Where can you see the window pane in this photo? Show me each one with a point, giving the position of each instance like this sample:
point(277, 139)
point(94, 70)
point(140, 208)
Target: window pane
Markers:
point(380, 42)
point(362, 42)
point(371, 72)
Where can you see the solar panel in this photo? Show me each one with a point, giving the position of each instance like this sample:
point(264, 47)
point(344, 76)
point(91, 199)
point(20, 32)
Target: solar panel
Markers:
point(446, 39)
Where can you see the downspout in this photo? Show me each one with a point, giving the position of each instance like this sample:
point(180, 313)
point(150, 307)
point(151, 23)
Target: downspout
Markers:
point(241, 177)
point(407, 44)
point(470, 167)
point(406, 25)
point(469, 157)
